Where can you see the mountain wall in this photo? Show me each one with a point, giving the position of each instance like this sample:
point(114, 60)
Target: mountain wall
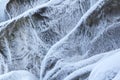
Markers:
point(60, 39)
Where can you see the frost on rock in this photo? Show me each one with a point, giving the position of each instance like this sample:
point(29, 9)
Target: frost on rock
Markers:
point(17, 7)
point(3, 65)
point(26, 38)
point(94, 34)
point(60, 39)
point(18, 75)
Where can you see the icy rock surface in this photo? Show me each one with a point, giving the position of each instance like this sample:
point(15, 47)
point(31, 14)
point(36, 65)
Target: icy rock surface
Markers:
point(25, 39)
point(18, 75)
point(17, 7)
point(60, 39)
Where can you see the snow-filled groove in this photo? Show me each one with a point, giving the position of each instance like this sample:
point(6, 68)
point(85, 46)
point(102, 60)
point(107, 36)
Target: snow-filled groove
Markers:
point(59, 40)
point(80, 72)
point(69, 68)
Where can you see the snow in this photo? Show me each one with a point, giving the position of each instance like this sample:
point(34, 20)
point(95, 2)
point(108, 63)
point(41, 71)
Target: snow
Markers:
point(64, 56)
point(2, 9)
point(92, 2)
point(8, 53)
point(75, 66)
point(25, 14)
point(57, 51)
point(18, 75)
point(80, 72)
point(107, 68)
point(117, 77)
point(83, 18)
point(3, 65)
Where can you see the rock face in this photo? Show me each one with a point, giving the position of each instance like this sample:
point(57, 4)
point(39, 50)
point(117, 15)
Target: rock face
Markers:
point(60, 39)
point(36, 31)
